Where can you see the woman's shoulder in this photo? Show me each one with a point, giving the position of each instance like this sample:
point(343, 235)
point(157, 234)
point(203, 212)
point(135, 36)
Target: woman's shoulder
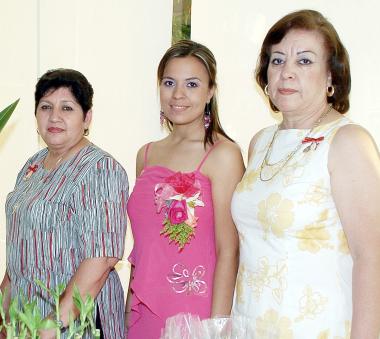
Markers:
point(352, 136)
point(103, 159)
point(224, 147)
point(224, 154)
point(37, 157)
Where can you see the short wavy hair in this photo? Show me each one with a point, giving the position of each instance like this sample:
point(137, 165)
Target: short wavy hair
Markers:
point(337, 60)
point(75, 81)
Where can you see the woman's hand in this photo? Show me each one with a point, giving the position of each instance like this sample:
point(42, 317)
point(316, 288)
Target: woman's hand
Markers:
point(89, 279)
point(48, 334)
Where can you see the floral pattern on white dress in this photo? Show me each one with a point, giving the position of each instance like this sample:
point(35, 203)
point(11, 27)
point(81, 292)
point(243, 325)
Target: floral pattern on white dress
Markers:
point(295, 271)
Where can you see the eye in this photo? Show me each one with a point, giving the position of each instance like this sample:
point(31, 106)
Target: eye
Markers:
point(168, 83)
point(45, 107)
point(192, 84)
point(67, 108)
point(305, 61)
point(277, 61)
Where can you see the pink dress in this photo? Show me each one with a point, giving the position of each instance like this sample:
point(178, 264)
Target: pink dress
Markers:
point(166, 280)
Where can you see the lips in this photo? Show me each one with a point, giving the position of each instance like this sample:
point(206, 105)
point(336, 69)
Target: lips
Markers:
point(287, 91)
point(178, 108)
point(55, 130)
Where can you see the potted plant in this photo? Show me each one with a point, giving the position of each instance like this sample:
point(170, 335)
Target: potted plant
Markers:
point(6, 113)
point(26, 321)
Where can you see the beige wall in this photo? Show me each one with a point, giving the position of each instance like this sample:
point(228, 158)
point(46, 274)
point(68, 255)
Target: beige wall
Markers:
point(117, 44)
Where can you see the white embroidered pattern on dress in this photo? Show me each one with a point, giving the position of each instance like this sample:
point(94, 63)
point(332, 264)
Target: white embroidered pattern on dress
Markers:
point(183, 282)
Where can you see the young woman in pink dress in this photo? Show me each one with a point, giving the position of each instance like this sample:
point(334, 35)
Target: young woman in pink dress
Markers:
point(185, 252)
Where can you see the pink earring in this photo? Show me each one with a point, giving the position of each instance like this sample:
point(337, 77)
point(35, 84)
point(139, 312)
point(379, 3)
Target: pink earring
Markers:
point(207, 116)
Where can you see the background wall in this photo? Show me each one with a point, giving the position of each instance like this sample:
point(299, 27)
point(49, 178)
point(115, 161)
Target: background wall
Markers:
point(117, 44)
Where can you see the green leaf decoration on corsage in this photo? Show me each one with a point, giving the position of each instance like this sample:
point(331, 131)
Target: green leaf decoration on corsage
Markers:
point(180, 234)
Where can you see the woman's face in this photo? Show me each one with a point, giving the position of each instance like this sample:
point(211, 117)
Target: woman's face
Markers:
point(297, 73)
point(60, 119)
point(184, 90)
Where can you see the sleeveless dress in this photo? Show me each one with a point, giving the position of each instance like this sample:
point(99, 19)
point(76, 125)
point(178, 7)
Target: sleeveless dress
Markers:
point(58, 218)
point(168, 280)
point(294, 279)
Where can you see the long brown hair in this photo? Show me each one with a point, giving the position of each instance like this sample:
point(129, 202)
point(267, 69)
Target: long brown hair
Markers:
point(184, 48)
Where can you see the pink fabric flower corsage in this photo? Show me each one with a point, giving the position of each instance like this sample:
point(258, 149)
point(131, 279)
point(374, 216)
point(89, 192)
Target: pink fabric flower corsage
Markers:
point(178, 196)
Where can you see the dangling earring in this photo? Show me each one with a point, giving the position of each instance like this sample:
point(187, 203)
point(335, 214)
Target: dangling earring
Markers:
point(266, 90)
point(86, 132)
point(38, 132)
point(207, 116)
point(162, 118)
point(330, 91)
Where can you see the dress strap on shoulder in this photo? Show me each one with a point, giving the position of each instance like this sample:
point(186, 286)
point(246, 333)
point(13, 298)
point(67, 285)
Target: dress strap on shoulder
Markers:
point(207, 154)
point(146, 153)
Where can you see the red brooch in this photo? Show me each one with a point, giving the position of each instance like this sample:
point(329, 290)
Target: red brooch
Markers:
point(30, 171)
point(314, 142)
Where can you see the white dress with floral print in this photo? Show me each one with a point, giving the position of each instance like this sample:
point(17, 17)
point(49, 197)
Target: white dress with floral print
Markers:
point(294, 279)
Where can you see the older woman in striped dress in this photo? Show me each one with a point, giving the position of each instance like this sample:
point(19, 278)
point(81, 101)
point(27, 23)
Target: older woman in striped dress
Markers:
point(66, 218)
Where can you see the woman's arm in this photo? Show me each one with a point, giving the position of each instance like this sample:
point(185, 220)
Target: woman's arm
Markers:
point(225, 169)
point(5, 288)
point(355, 180)
point(89, 278)
point(139, 168)
point(128, 306)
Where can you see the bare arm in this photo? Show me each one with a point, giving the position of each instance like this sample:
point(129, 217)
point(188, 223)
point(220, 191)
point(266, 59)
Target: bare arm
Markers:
point(225, 168)
point(139, 168)
point(355, 179)
point(252, 145)
point(89, 278)
point(128, 304)
point(5, 288)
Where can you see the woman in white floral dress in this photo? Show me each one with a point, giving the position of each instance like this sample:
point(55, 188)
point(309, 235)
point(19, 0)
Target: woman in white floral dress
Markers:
point(307, 208)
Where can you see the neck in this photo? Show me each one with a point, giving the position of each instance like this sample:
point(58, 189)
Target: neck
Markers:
point(303, 120)
point(194, 131)
point(57, 154)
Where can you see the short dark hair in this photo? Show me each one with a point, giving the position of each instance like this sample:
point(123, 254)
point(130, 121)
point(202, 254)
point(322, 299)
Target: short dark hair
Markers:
point(75, 81)
point(337, 56)
point(185, 48)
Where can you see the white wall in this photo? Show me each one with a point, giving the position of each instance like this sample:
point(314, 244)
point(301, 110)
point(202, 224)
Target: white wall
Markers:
point(117, 44)
point(234, 31)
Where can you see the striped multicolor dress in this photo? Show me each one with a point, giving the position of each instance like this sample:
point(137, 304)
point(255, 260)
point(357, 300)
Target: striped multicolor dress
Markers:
point(58, 218)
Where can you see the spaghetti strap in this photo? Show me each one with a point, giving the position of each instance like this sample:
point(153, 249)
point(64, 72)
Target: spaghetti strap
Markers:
point(207, 154)
point(146, 153)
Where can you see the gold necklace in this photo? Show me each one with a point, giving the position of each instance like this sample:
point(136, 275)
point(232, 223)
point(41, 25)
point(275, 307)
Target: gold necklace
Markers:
point(58, 160)
point(282, 163)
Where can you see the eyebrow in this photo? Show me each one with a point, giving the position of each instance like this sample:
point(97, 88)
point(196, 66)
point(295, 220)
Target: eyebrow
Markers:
point(187, 79)
point(50, 102)
point(298, 53)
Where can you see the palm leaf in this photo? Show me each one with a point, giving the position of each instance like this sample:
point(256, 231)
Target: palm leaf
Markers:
point(6, 113)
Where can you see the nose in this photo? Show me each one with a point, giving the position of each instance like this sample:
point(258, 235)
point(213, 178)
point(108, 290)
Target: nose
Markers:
point(55, 114)
point(178, 92)
point(288, 71)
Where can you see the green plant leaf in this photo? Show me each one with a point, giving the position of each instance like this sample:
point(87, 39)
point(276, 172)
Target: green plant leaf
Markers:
point(6, 113)
point(47, 324)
